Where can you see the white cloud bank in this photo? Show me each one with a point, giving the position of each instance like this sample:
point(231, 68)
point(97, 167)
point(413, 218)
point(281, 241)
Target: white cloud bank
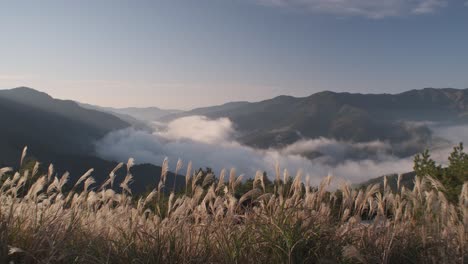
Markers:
point(366, 8)
point(211, 143)
point(200, 129)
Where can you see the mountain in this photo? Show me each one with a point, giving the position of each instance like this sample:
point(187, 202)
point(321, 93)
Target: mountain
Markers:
point(63, 133)
point(396, 118)
point(135, 115)
point(145, 113)
point(49, 126)
point(101, 122)
point(136, 123)
point(205, 111)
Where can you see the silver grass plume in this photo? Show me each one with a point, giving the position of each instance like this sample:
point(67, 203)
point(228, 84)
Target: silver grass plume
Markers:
point(399, 181)
point(5, 170)
point(84, 177)
point(35, 169)
point(232, 179)
point(63, 180)
point(23, 155)
point(188, 175)
point(89, 181)
point(221, 180)
point(178, 166)
point(164, 170)
point(277, 173)
point(130, 163)
point(50, 172)
point(125, 185)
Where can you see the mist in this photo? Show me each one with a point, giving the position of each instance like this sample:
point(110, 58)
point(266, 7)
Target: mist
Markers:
point(211, 143)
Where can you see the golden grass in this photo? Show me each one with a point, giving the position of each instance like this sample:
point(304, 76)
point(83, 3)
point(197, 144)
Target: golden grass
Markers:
point(294, 223)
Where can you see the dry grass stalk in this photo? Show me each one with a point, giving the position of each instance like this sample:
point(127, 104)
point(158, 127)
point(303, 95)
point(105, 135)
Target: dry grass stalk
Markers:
point(210, 224)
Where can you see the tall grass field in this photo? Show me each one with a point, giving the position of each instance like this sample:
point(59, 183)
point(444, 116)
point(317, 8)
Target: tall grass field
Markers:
point(47, 219)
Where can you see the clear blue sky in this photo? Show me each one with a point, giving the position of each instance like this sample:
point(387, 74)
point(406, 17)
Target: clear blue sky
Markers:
point(182, 54)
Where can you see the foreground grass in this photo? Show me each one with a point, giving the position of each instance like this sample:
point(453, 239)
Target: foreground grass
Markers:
point(293, 223)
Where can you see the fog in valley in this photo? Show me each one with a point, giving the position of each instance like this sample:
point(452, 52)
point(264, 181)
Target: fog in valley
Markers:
point(212, 143)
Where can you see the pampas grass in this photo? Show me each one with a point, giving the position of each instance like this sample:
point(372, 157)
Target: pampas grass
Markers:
point(293, 223)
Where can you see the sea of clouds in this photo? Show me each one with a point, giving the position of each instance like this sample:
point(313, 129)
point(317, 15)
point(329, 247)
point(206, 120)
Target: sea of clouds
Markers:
point(212, 143)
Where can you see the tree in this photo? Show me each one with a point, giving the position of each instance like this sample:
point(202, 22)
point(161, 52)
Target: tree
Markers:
point(456, 173)
point(452, 177)
point(424, 165)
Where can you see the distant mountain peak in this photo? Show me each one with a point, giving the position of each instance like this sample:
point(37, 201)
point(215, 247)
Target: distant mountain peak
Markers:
point(26, 91)
point(283, 97)
point(142, 108)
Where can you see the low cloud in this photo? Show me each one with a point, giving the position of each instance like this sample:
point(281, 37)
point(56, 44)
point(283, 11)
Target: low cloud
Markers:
point(367, 8)
point(330, 151)
point(199, 128)
point(211, 143)
point(453, 134)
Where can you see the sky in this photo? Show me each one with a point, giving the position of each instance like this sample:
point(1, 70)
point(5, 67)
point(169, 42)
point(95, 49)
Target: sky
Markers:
point(186, 54)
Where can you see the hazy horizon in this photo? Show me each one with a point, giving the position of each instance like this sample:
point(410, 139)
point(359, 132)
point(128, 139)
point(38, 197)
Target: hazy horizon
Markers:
point(220, 103)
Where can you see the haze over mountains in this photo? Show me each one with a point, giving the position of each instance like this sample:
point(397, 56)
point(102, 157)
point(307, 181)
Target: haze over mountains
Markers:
point(325, 130)
point(147, 114)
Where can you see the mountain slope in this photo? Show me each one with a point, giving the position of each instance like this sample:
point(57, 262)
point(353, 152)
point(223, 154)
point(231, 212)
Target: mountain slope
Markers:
point(136, 123)
point(345, 116)
point(101, 122)
point(135, 115)
point(145, 113)
point(62, 133)
point(205, 111)
point(49, 126)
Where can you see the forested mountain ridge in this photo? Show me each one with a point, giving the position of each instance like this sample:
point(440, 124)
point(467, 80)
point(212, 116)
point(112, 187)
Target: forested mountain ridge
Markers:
point(63, 133)
point(396, 118)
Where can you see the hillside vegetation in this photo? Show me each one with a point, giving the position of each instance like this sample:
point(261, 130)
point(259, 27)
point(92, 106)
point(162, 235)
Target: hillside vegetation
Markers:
point(46, 219)
point(396, 118)
point(451, 176)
